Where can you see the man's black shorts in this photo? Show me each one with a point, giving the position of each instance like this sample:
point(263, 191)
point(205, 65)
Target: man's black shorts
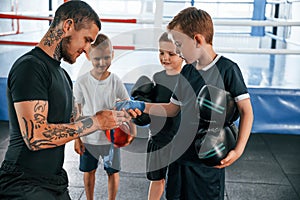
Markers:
point(16, 183)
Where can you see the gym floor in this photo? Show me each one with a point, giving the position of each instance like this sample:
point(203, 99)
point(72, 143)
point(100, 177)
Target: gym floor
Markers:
point(268, 170)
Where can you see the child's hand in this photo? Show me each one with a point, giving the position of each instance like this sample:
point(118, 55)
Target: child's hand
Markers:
point(134, 113)
point(231, 157)
point(79, 146)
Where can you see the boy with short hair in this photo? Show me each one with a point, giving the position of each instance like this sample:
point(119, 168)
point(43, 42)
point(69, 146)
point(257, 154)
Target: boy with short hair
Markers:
point(189, 178)
point(94, 90)
point(162, 130)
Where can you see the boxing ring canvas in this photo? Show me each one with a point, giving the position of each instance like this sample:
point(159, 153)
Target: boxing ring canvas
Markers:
point(3, 101)
point(276, 110)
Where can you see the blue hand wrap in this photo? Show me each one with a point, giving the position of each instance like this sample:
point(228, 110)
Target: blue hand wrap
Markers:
point(130, 104)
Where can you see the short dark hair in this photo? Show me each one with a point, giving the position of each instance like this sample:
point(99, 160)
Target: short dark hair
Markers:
point(193, 21)
point(79, 11)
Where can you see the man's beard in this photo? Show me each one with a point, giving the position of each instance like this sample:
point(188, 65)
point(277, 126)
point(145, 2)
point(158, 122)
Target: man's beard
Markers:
point(65, 45)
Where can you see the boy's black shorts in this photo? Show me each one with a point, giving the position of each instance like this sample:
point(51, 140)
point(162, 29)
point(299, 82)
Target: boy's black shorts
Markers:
point(195, 182)
point(18, 184)
point(157, 160)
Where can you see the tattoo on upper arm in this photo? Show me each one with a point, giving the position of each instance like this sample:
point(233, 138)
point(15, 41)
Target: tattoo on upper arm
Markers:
point(39, 116)
point(39, 107)
point(39, 120)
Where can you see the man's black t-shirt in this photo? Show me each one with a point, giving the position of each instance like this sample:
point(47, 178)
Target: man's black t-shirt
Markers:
point(36, 76)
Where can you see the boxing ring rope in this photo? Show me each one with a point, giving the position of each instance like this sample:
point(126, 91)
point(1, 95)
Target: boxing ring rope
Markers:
point(217, 22)
point(259, 51)
point(219, 50)
point(27, 17)
point(16, 16)
point(274, 22)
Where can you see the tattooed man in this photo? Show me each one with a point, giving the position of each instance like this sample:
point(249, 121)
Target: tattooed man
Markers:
point(39, 94)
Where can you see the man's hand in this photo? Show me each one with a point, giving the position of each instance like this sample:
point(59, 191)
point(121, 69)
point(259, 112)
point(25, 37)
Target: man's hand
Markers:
point(110, 119)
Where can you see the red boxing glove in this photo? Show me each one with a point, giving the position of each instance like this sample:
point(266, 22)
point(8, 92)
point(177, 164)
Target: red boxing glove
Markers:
point(120, 136)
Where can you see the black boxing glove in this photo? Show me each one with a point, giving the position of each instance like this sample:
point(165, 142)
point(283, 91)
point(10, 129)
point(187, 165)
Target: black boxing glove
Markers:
point(213, 145)
point(143, 87)
point(216, 106)
point(142, 91)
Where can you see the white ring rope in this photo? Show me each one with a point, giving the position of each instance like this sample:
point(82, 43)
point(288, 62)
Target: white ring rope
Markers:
point(235, 22)
point(258, 51)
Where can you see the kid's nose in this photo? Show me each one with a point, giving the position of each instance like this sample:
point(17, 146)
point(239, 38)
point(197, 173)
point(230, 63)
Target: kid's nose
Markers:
point(101, 61)
point(165, 57)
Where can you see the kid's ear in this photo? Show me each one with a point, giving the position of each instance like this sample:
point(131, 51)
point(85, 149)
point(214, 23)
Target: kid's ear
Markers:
point(199, 40)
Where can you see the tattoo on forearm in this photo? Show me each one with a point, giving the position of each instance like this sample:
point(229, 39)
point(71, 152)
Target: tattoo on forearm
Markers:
point(49, 133)
point(59, 132)
point(27, 136)
point(87, 123)
point(34, 144)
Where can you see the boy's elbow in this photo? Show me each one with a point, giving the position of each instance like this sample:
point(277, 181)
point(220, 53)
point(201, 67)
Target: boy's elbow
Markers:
point(172, 114)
